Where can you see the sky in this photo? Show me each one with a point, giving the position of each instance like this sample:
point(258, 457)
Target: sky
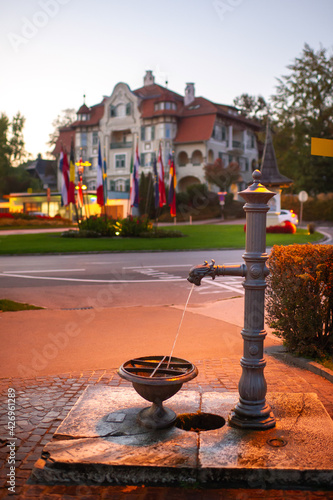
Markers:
point(54, 51)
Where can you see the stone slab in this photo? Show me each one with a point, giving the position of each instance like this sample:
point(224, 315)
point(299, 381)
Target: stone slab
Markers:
point(100, 442)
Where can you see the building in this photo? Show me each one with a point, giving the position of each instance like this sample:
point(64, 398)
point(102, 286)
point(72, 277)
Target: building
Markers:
point(195, 129)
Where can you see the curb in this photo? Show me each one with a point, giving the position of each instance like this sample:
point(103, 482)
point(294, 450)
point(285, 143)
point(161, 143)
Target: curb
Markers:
point(280, 353)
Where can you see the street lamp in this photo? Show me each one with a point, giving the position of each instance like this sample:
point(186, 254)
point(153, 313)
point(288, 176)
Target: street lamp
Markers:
point(81, 187)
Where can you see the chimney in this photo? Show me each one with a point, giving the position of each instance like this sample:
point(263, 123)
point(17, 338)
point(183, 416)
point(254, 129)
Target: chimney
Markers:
point(149, 78)
point(189, 94)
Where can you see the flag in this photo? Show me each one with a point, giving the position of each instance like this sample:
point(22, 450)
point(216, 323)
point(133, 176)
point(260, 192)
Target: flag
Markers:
point(100, 183)
point(80, 201)
point(161, 185)
point(156, 185)
point(64, 167)
point(172, 187)
point(105, 181)
point(71, 191)
point(134, 194)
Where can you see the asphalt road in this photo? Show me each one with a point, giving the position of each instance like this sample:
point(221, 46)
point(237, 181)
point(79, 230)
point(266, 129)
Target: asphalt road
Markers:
point(113, 280)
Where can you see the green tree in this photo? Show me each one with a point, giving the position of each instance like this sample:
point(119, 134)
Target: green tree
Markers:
point(221, 176)
point(303, 108)
point(252, 106)
point(16, 141)
point(5, 149)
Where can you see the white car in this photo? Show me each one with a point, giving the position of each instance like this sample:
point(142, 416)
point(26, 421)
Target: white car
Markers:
point(288, 215)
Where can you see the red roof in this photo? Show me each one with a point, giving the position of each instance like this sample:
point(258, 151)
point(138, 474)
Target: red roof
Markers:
point(195, 128)
point(151, 94)
point(96, 113)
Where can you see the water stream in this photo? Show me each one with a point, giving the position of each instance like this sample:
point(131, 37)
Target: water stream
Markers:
point(177, 334)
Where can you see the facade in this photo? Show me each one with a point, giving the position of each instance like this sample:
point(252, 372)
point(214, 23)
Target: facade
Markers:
point(196, 130)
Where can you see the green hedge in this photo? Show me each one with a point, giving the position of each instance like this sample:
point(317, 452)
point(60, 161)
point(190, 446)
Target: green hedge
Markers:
point(319, 208)
point(299, 298)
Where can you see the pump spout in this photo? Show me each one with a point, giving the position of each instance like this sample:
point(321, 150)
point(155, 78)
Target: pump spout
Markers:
point(201, 271)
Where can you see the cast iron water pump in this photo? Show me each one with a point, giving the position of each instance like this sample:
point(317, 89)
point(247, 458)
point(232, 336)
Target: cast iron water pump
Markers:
point(252, 410)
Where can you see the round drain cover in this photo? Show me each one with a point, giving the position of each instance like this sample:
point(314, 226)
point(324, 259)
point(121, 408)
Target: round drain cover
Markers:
point(277, 442)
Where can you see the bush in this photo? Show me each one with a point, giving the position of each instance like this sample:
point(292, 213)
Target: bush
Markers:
point(134, 226)
point(299, 300)
point(100, 225)
point(319, 208)
point(285, 228)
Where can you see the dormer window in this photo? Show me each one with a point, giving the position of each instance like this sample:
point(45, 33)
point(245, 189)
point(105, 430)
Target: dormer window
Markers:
point(121, 110)
point(165, 105)
point(195, 106)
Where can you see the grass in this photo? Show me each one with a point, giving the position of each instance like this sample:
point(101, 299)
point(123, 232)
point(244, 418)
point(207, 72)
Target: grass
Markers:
point(9, 305)
point(197, 237)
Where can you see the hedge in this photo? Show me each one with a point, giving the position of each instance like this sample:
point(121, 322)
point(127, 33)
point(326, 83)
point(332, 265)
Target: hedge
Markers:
point(319, 208)
point(299, 298)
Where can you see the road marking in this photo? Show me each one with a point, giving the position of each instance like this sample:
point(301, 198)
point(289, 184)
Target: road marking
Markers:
point(90, 280)
point(150, 267)
point(227, 287)
point(46, 271)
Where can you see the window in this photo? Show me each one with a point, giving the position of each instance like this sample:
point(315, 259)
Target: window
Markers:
point(224, 133)
point(112, 110)
point(167, 130)
point(247, 166)
point(120, 185)
point(147, 159)
point(95, 138)
point(120, 161)
point(165, 105)
point(84, 139)
point(127, 185)
point(194, 106)
point(112, 186)
point(148, 133)
point(128, 108)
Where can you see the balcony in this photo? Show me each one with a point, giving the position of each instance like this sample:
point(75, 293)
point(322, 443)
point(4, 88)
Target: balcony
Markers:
point(121, 145)
point(237, 146)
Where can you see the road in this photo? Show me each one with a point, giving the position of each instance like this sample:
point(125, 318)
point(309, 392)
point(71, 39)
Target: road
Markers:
point(114, 280)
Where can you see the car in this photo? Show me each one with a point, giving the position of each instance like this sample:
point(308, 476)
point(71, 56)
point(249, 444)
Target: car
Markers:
point(288, 215)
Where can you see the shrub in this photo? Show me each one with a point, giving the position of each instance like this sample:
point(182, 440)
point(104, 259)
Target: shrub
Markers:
point(286, 227)
point(299, 303)
point(134, 226)
point(100, 225)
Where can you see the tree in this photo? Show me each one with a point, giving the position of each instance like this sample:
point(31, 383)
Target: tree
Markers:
point(217, 174)
point(65, 118)
point(16, 141)
point(303, 108)
point(5, 149)
point(252, 106)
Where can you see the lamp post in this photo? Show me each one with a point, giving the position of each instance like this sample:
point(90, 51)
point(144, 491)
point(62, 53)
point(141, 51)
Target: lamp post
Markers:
point(80, 168)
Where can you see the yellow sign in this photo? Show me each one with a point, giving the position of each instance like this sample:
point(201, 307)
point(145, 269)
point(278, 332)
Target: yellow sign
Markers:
point(321, 147)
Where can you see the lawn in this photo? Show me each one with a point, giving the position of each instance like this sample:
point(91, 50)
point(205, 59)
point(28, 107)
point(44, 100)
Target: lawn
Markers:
point(196, 237)
point(9, 305)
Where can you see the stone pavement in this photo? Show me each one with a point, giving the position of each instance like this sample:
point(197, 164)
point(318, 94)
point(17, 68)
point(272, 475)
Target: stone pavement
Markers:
point(43, 402)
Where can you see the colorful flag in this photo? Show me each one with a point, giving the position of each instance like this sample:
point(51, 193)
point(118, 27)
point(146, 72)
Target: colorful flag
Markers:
point(100, 183)
point(172, 187)
point(156, 185)
point(161, 185)
point(134, 194)
point(71, 191)
point(64, 167)
point(80, 201)
point(105, 181)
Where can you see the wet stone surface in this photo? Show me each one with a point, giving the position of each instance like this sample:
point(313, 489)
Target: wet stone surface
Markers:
point(106, 447)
